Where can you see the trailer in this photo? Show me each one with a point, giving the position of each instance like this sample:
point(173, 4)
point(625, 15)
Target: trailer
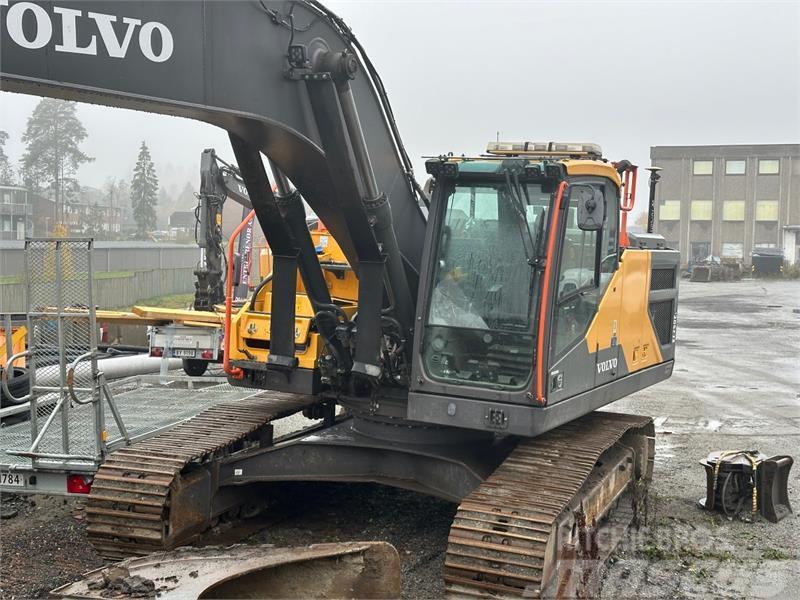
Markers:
point(65, 459)
point(71, 417)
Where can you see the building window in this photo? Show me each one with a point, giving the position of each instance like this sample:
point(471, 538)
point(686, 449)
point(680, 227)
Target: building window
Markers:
point(670, 210)
point(734, 167)
point(733, 210)
point(703, 167)
point(700, 250)
point(769, 167)
point(767, 210)
point(701, 210)
point(732, 250)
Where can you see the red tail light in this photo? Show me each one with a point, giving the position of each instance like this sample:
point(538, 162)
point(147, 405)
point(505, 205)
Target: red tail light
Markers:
point(79, 484)
point(156, 352)
point(207, 354)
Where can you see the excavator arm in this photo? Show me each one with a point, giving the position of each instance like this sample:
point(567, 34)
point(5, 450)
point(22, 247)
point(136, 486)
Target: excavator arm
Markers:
point(219, 181)
point(302, 92)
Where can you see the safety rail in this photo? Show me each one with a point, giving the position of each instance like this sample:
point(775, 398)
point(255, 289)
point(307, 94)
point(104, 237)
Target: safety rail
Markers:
point(61, 358)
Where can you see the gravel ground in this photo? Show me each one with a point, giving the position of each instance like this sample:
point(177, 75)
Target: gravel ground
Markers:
point(736, 385)
point(44, 546)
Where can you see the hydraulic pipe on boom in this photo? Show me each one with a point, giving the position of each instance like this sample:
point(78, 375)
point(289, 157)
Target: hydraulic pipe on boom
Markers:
point(344, 66)
point(328, 314)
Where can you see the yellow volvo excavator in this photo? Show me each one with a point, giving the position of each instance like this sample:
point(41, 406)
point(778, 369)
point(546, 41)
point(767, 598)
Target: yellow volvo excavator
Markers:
point(453, 340)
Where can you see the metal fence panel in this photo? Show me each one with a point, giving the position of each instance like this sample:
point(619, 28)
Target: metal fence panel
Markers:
point(59, 281)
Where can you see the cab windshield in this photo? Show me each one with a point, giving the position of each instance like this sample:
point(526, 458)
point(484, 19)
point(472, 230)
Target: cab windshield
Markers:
point(480, 321)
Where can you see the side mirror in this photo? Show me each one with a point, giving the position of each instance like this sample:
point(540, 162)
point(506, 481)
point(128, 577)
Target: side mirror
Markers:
point(591, 206)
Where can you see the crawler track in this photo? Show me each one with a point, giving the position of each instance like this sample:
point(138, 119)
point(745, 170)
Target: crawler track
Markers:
point(128, 509)
point(510, 533)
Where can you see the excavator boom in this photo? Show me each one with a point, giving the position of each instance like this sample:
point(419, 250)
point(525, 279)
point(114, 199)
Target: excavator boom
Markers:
point(285, 84)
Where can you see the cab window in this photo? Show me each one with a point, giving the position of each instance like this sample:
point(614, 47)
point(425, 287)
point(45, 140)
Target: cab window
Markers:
point(588, 260)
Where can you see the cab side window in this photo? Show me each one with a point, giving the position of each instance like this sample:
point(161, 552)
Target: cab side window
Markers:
point(578, 291)
point(609, 250)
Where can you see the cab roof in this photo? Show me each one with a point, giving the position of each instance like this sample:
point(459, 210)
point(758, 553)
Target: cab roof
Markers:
point(574, 165)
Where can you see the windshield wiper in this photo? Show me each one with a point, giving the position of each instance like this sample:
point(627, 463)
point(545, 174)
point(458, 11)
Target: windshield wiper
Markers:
point(528, 243)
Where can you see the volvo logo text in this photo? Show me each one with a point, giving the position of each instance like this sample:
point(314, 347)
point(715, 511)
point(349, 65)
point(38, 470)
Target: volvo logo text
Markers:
point(39, 32)
point(607, 365)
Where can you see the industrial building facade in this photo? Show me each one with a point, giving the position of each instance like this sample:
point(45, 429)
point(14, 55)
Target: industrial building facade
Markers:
point(726, 200)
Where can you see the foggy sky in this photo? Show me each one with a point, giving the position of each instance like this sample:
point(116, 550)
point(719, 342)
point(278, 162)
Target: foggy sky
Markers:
point(624, 75)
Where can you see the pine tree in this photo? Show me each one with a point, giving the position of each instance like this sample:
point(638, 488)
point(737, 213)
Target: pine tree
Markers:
point(144, 192)
point(6, 171)
point(52, 155)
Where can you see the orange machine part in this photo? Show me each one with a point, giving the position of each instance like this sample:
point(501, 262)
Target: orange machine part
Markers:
point(548, 268)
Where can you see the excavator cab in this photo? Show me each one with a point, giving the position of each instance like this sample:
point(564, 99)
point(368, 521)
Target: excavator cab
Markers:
point(520, 311)
point(483, 279)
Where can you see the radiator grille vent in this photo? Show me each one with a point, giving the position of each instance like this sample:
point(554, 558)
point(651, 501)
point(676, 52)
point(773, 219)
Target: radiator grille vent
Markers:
point(661, 313)
point(662, 279)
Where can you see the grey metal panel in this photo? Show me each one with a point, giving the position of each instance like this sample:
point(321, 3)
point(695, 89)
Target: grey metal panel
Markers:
point(227, 68)
point(659, 260)
point(444, 469)
point(529, 421)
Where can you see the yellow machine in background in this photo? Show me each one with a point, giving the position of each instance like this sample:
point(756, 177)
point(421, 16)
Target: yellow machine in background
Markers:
point(17, 339)
point(251, 325)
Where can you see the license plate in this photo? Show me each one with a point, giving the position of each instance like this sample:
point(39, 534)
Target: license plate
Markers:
point(183, 353)
point(12, 479)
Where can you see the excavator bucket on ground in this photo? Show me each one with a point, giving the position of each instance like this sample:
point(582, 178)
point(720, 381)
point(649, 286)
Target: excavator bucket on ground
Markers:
point(336, 570)
point(746, 482)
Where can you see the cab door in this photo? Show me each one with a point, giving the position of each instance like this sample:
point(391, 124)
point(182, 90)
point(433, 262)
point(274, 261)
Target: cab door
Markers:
point(587, 262)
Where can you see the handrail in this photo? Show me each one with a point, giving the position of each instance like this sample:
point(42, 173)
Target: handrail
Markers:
point(234, 372)
point(4, 376)
point(627, 201)
point(71, 377)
